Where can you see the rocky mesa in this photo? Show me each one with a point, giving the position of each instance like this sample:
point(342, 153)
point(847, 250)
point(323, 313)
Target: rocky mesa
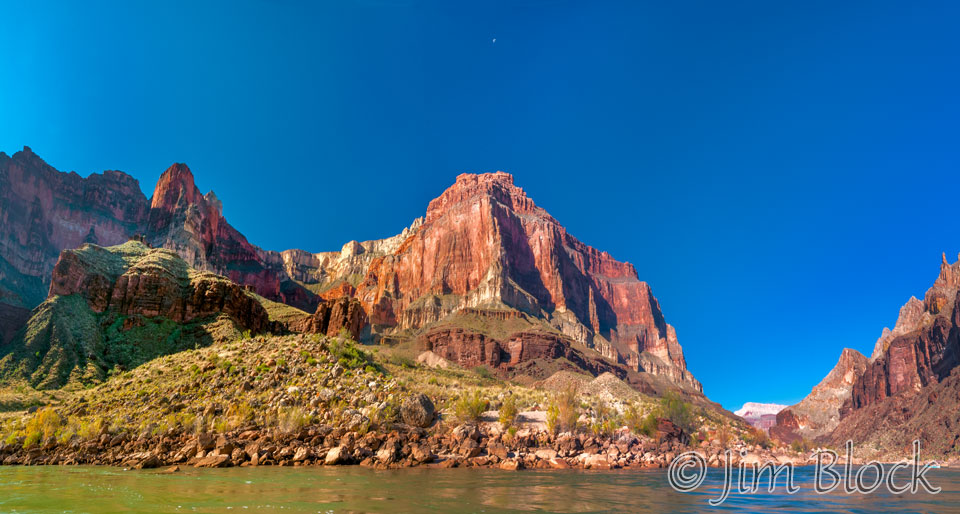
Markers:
point(484, 248)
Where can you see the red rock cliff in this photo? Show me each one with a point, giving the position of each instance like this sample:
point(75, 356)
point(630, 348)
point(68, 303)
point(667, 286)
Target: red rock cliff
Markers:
point(44, 211)
point(485, 244)
point(192, 224)
point(132, 279)
point(882, 395)
point(819, 413)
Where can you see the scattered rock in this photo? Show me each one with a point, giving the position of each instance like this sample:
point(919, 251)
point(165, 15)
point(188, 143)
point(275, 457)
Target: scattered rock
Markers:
point(418, 411)
point(334, 456)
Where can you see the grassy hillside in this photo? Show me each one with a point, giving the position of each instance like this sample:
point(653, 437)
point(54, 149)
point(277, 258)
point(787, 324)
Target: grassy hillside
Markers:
point(66, 343)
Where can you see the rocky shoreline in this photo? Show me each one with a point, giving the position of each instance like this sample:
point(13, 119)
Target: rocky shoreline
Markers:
point(398, 446)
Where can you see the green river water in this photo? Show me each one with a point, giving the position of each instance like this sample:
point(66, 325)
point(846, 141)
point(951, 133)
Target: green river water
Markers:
point(355, 489)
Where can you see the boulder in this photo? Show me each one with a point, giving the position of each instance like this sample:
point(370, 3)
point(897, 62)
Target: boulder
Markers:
point(214, 461)
point(433, 360)
point(335, 456)
point(418, 411)
point(511, 465)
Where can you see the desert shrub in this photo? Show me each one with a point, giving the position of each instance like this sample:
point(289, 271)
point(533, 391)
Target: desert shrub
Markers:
point(388, 413)
point(605, 420)
point(238, 415)
point(640, 424)
point(510, 435)
point(758, 437)
point(673, 408)
point(801, 445)
point(724, 435)
point(32, 439)
point(508, 411)
point(701, 436)
point(220, 425)
point(293, 419)
point(402, 361)
point(562, 412)
point(483, 372)
point(470, 407)
point(632, 418)
point(44, 424)
point(349, 354)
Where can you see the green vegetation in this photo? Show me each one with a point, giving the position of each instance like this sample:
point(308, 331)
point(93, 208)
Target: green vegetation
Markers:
point(277, 311)
point(801, 445)
point(639, 423)
point(562, 412)
point(508, 411)
point(758, 437)
point(293, 419)
point(484, 372)
point(470, 407)
point(485, 323)
point(350, 355)
point(679, 412)
point(605, 420)
point(66, 343)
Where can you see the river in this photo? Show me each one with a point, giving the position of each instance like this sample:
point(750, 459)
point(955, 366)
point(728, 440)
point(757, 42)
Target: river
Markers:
point(354, 489)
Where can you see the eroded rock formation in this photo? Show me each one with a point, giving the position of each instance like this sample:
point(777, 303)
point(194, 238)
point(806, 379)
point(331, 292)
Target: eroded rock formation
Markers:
point(132, 279)
point(120, 307)
point(819, 413)
point(483, 245)
point(908, 389)
point(332, 316)
point(44, 211)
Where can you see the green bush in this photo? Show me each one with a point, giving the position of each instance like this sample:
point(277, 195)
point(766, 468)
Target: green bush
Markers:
point(562, 413)
point(605, 421)
point(759, 438)
point(640, 424)
point(508, 412)
point(470, 407)
point(349, 354)
point(801, 445)
point(483, 372)
point(293, 419)
point(673, 408)
point(32, 439)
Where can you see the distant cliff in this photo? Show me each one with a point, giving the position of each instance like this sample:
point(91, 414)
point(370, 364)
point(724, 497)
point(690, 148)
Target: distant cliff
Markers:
point(908, 389)
point(483, 248)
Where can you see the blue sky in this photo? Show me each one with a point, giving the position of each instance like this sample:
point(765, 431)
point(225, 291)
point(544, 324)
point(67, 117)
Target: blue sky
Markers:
point(783, 174)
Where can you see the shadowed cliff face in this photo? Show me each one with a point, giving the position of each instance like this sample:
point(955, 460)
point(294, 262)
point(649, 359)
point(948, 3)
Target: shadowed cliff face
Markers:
point(891, 399)
point(120, 307)
point(483, 244)
point(922, 349)
point(43, 211)
point(192, 224)
point(819, 413)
